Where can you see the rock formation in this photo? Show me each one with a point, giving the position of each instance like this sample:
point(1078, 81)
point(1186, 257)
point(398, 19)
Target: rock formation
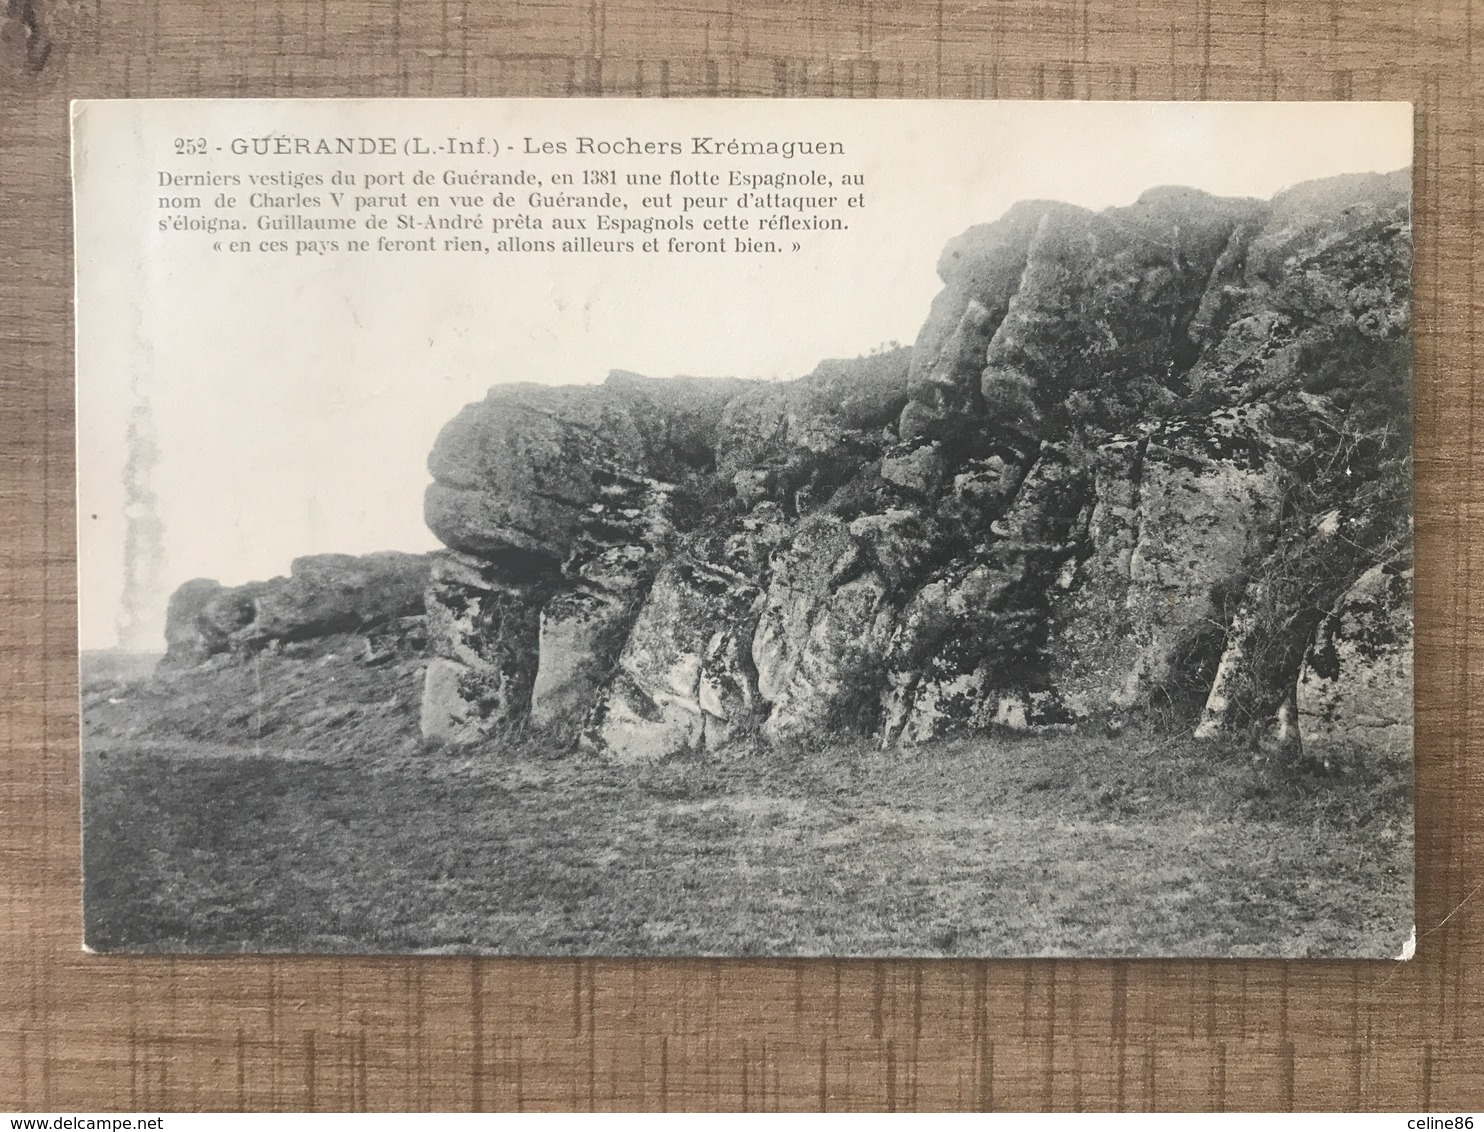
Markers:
point(377, 595)
point(1142, 460)
point(1152, 461)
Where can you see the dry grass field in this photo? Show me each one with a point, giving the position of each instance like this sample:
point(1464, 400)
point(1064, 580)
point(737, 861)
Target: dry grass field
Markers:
point(311, 817)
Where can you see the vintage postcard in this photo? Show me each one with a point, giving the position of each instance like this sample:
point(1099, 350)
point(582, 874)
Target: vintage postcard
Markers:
point(810, 528)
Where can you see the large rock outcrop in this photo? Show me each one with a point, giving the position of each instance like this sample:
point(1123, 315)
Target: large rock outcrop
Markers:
point(1130, 464)
point(559, 506)
point(323, 595)
point(1147, 460)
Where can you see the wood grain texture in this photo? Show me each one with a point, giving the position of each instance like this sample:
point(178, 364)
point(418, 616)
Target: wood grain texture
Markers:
point(80, 1032)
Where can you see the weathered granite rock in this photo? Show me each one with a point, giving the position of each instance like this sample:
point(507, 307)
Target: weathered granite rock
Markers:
point(944, 677)
point(798, 442)
point(625, 538)
point(945, 406)
point(686, 677)
point(1209, 499)
point(1097, 485)
point(1272, 637)
point(338, 593)
point(187, 640)
point(448, 706)
point(1092, 334)
point(226, 618)
point(1143, 460)
point(1313, 322)
point(973, 638)
point(1097, 333)
point(1179, 517)
point(581, 630)
point(323, 595)
point(983, 265)
point(405, 636)
point(485, 624)
point(559, 505)
point(515, 474)
point(1356, 682)
point(821, 634)
point(683, 679)
point(1317, 298)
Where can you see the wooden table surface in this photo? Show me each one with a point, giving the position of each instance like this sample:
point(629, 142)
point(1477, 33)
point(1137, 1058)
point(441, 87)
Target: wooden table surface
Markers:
point(80, 1032)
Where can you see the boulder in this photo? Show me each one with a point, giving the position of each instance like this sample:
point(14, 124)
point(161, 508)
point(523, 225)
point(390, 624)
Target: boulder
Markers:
point(514, 475)
point(447, 713)
point(186, 640)
point(1356, 682)
point(338, 593)
point(323, 595)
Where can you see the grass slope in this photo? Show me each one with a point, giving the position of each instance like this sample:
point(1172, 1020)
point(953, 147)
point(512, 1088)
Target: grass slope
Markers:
point(288, 805)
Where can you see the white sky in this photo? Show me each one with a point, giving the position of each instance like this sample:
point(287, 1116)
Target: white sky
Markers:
point(295, 400)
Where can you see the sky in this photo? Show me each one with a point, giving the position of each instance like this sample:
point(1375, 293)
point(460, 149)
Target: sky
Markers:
point(293, 400)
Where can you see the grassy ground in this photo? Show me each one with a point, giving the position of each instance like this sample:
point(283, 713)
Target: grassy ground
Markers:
point(289, 805)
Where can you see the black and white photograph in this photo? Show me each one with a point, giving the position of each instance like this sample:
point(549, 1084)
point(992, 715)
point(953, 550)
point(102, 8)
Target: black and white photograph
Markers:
point(745, 528)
